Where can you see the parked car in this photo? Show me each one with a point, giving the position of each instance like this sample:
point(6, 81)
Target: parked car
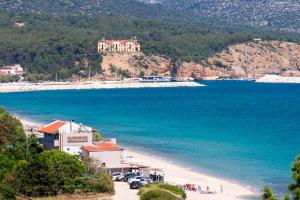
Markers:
point(135, 178)
point(120, 178)
point(135, 185)
point(145, 181)
point(129, 175)
point(115, 175)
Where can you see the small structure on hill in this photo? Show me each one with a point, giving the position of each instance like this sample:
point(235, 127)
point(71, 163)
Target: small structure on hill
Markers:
point(66, 136)
point(19, 24)
point(128, 46)
point(11, 70)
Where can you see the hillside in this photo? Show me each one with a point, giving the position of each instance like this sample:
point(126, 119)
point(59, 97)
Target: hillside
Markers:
point(247, 60)
point(281, 15)
point(271, 14)
point(256, 58)
point(50, 47)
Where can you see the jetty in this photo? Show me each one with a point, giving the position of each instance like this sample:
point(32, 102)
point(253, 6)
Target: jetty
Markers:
point(22, 87)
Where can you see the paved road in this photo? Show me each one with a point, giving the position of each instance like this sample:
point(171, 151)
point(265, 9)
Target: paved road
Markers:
point(124, 193)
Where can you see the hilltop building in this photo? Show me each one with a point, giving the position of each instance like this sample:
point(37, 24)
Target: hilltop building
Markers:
point(128, 46)
point(66, 136)
point(11, 70)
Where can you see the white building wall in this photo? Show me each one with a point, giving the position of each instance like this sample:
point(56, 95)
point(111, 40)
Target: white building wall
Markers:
point(74, 150)
point(112, 159)
point(72, 143)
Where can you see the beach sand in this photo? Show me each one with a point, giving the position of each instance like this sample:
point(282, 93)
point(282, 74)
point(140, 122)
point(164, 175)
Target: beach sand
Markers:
point(22, 87)
point(179, 175)
point(278, 79)
point(176, 174)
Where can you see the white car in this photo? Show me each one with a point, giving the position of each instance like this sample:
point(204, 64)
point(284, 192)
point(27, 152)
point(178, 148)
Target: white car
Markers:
point(116, 175)
point(135, 178)
point(145, 181)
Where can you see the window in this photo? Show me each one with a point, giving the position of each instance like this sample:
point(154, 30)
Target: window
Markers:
point(102, 164)
point(68, 149)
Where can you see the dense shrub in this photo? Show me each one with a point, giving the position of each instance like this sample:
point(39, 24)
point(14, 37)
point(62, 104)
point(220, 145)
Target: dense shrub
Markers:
point(11, 129)
point(51, 173)
point(157, 194)
point(7, 192)
point(100, 182)
point(174, 189)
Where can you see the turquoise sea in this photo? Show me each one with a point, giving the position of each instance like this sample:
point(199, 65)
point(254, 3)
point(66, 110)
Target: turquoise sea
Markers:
point(245, 131)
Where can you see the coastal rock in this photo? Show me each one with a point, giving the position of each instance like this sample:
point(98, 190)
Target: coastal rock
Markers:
point(245, 60)
point(258, 58)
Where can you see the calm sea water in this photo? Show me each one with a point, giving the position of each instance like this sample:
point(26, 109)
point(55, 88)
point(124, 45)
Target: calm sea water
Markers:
point(243, 131)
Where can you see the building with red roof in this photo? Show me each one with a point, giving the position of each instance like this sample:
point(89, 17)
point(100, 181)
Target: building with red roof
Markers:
point(107, 153)
point(66, 136)
point(11, 70)
point(128, 46)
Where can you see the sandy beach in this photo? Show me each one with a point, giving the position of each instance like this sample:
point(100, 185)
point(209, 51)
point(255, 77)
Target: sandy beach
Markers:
point(278, 79)
point(175, 174)
point(22, 87)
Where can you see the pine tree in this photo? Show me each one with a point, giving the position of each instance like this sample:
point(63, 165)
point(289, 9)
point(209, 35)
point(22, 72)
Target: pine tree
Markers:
point(268, 194)
point(295, 187)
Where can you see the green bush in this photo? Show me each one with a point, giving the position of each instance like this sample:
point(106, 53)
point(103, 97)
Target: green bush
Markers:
point(174, 189)
point(11, 129)
point(50, 173)
point(157, 194)
point(6, 192)
point(100, 182)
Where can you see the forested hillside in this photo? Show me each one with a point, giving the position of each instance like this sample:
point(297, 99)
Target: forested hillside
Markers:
point(49, 46)
point(267, 14)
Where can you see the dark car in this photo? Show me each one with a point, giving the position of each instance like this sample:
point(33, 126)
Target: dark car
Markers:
point(135, 185)
point(129, 175)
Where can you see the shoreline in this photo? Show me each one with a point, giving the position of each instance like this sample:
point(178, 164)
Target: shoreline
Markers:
point(278, 79)
point(178, 174)
point(27, 87)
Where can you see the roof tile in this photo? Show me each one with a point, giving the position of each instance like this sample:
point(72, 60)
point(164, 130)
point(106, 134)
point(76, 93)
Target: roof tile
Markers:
point(52, 128)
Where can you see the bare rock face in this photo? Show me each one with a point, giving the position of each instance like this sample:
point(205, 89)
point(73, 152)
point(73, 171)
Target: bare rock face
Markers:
point(135, 64)
point(138, 63)
point(255, 58)
point(247, 60)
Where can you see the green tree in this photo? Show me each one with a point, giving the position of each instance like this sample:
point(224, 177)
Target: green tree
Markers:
point(50, 173)
point(6, 165)
point(268, 194)
point(294, 187)
point(96, 136)
point(11, 129)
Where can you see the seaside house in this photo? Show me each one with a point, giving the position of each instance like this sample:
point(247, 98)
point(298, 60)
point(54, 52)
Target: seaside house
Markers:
point(66, 136)
point(128, 46)
point(111, 158)
point(107, 153)
point(12, 70)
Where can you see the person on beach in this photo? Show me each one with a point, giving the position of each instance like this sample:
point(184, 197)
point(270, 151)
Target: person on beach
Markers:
point(207, 189)
point(200, 189)
point(221, 186)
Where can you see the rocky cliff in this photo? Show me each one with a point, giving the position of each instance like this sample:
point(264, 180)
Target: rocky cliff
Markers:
point(242, 60)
